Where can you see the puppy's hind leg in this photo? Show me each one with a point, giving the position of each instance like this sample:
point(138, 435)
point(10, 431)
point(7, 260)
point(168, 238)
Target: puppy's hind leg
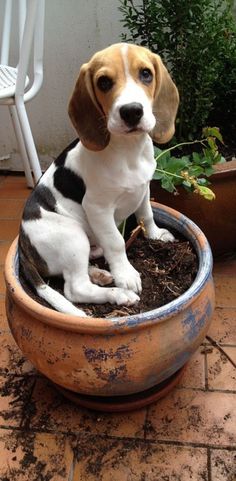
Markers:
point(101, 277)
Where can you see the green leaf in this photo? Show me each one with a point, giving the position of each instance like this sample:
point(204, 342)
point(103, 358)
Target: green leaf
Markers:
point(196, 157)
point(157, 151)
point(222, 160)
point(175, 165)
point(212, 132)
point(162, 160)
point(167, 184)
point(195, 170)
point(158, 175)
point(187, 184)
point(212, 144)
point(207, 193)
point(203, 181)
point(208, 171)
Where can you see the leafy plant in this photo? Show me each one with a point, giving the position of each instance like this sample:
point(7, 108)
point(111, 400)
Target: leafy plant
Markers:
point(197, 40)
point(190, 171)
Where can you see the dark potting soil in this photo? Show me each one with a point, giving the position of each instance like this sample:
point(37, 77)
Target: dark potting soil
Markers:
point(167, 270)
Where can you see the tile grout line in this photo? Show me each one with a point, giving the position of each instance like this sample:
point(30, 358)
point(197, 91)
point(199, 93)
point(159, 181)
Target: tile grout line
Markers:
point(92, 436)
point(209, 464)
point(209, 390)
point(206, 372)
point(219, 347)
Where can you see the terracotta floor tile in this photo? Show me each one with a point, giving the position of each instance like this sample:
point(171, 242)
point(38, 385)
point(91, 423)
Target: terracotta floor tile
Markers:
point(194, 417)
point(223, 465)
point(132, 460)
point(54, 412)
point(223, 326)
point(14, 396)
point(11, 208)
point(9, 229)
point(14, 188)
point(4, 247)
point(231, 351)
point(225, 291)
point(2, 178)
point(3, 317)
point(12, 360)
point(221, 373)
point(225, 267)
point(194, 375)
point(29, 457)
point(15, 179)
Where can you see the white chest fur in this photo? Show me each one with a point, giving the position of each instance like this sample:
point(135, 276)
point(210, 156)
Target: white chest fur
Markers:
point(119, 175)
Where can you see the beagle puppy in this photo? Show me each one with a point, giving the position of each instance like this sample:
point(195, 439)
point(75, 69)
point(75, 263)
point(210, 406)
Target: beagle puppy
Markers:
point(123, 98)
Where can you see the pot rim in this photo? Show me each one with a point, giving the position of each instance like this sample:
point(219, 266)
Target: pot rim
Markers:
point(171, 219)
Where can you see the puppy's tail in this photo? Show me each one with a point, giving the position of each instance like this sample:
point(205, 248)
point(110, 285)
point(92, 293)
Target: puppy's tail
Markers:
point(54, 298)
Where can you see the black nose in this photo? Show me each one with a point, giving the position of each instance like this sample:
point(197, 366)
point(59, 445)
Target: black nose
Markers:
point(131, 113)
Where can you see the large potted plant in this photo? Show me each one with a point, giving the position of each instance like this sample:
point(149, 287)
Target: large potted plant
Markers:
point(116, 363)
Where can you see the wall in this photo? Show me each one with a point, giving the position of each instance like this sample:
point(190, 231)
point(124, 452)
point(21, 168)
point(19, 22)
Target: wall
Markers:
point(74, 30)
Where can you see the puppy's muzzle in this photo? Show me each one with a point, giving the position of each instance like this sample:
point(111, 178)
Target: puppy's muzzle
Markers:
point(131, 113)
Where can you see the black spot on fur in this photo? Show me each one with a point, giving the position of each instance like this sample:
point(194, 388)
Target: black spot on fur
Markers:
point(69, 184)
point(32, 266)
point(40, 197)
point(60, 161)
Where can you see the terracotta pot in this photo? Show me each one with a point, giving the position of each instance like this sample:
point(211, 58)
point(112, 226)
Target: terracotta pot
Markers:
point(217, 218)
point(121, 356)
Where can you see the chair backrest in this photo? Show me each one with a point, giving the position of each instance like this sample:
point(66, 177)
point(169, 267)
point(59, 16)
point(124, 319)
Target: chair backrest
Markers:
point(30, 41)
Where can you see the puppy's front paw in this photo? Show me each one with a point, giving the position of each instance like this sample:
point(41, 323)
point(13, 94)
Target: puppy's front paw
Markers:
point(123, 297)
point(160, 234)
point(128, 278)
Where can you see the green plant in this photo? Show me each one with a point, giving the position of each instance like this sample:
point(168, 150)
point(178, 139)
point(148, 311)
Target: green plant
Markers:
point(196, 39)
point(224, 108)
point(190, 171)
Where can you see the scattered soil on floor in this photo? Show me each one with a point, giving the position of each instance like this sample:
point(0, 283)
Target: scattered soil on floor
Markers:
point(167, 270)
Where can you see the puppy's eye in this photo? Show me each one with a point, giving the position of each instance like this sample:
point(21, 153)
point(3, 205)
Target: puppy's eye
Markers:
point(105, 83)
point(145, 75)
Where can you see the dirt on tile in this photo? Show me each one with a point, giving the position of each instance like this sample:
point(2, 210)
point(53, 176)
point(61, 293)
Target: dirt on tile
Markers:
point(136, 460)
point(223, 465)
point(18, 390)
point(32, 461)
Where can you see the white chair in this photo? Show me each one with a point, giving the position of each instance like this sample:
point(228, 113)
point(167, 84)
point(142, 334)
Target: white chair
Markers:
point(15, 86)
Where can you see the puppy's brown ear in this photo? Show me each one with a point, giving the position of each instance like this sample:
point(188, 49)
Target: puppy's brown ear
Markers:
point(86, 115)
point(165, 103)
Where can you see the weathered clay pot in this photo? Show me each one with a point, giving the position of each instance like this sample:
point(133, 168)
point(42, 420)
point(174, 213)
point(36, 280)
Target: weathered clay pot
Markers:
point(217, 218)
point(122, 356)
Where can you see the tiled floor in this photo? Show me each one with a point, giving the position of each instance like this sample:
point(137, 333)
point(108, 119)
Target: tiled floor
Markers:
point(189, 435)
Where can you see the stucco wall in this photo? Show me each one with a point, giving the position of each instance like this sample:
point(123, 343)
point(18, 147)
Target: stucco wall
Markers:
point(74, 30)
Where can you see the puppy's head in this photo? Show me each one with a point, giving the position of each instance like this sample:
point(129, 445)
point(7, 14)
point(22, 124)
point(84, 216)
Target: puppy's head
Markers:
point(123, 90)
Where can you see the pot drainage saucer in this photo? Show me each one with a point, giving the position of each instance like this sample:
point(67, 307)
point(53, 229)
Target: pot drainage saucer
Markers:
point(123, 403)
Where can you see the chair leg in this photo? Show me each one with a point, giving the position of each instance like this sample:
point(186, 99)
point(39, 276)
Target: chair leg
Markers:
point(28, 138)
point(21, 143)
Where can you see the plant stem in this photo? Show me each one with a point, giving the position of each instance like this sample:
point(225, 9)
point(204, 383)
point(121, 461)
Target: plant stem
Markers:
point(169, 173)
point(180, 145)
